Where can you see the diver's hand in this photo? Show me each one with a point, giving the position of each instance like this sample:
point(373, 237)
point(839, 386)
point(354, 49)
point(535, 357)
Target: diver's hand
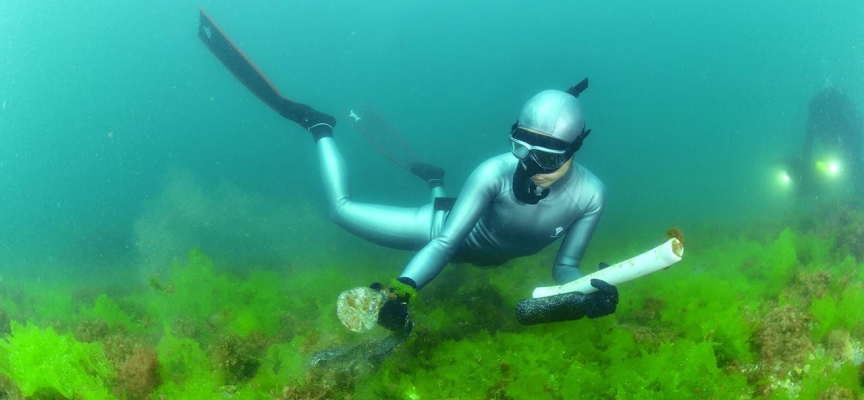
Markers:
point(394, 313)
point(394, 316)
point(602, 302)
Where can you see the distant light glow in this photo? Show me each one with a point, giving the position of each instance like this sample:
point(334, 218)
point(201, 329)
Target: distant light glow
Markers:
point(830, 168)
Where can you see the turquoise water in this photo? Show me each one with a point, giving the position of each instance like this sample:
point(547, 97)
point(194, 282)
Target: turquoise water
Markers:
point(690, 103)
point(124, 142)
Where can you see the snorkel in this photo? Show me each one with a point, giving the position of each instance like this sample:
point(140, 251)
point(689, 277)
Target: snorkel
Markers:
point(523, 187)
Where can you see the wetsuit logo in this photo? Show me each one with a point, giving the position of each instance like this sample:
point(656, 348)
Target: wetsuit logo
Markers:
point(558, 232)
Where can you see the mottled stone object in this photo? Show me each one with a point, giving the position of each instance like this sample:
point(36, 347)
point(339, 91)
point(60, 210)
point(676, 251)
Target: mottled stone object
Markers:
point(358, 308)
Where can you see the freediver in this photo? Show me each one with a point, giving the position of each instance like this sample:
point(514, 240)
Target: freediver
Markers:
point(512, 205)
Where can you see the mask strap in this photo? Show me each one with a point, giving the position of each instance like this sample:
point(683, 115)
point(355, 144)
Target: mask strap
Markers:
point(577, 144)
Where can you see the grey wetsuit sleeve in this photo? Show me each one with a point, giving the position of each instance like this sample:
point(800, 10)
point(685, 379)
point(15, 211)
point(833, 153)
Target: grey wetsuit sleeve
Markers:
point(576, 240)
point(473, 201)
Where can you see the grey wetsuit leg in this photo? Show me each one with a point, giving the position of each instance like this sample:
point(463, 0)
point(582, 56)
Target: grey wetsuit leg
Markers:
point(438, 191)
point(396, 227)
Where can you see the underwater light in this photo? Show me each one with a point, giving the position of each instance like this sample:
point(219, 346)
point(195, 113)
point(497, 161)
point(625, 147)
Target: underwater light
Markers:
point(782, 180)
point(833, 168)
point(830, 168)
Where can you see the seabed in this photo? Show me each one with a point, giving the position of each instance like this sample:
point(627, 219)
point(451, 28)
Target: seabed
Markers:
point(755, 313)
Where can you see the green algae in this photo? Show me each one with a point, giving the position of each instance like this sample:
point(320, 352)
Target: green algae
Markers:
point(41, 361)
point(707, 328)
point(185, 368)
point(106, 310)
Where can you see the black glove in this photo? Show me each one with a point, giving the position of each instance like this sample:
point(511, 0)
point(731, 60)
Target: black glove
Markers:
point(603, 301)
point(569, 306)
point(394, 313)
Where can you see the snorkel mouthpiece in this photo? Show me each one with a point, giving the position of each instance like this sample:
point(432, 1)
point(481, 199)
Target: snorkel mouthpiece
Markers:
point(523, 187)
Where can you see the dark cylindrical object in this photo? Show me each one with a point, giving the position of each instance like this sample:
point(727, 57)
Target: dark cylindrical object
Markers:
point(562, 307)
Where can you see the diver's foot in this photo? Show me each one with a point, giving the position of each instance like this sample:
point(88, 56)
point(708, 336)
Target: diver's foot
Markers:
point(317, 123)
point(431, 174)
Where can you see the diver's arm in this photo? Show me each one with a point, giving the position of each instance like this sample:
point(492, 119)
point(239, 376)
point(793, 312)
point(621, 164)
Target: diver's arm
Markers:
point(476, 196)
point(801, 167)
point(576, 241)
point(819, 104)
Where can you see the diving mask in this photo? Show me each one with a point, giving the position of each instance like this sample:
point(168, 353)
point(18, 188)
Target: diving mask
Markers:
point(547, 152)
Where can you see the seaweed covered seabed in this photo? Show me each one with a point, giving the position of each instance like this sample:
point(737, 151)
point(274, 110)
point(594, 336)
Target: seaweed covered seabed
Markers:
point(755, 313)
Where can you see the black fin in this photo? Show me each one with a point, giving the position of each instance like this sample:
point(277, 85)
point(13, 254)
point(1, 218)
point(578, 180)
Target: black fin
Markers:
point(218, 42)
point(427, 172)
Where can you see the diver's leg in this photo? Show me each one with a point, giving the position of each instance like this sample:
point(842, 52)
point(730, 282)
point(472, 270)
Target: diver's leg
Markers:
point(433, 176)
point(397, 227)
point(438, 191)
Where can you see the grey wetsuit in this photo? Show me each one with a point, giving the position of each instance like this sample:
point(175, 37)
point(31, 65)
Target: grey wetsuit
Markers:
point(486, 225)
